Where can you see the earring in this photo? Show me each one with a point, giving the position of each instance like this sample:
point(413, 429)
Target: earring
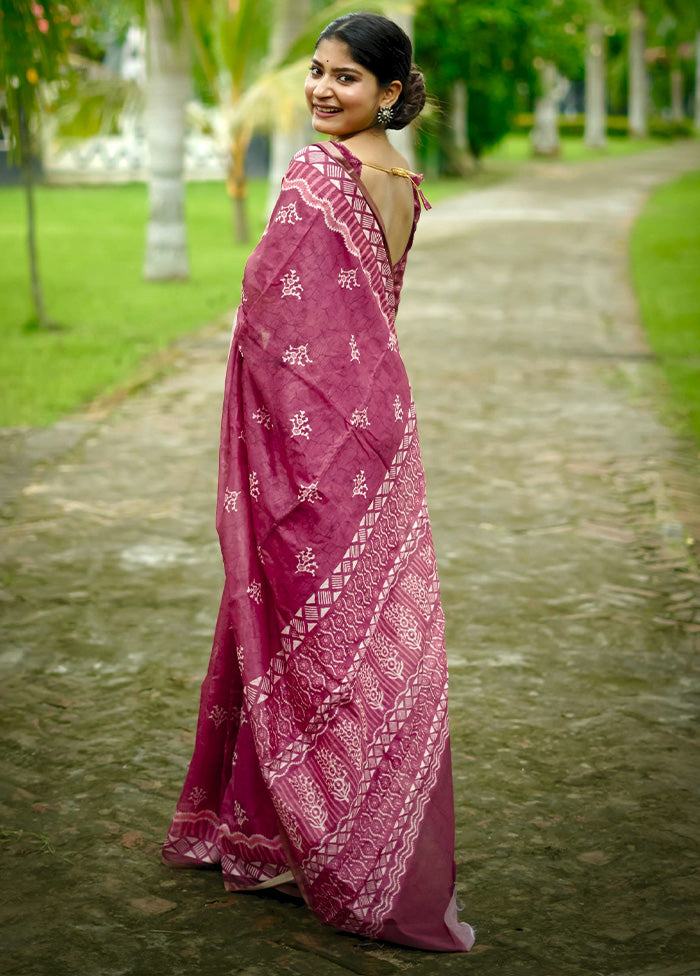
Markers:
point(385, 115)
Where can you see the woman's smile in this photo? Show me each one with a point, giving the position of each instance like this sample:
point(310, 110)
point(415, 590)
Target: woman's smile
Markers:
point(326, 111)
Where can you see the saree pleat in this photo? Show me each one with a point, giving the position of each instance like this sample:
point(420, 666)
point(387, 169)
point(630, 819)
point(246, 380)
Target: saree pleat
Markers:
point(322, 744)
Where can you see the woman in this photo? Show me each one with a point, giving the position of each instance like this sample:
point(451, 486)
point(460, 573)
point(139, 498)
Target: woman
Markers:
point(322, 751)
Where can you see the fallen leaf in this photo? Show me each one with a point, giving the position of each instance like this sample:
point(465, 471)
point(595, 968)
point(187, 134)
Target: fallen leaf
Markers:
point(153, 906)
point(594, 857)
point(132, 839)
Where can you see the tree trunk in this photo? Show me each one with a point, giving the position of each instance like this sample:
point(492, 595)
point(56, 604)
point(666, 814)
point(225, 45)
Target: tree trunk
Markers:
point(697, 81)
point(167, 92)
point(596, 114)
point(39, 319)
point(677, 112)
point(460, 126)
point(637, 124)
point(290, 16)
point(402, 139)
point(544, 137)
point(237, 183)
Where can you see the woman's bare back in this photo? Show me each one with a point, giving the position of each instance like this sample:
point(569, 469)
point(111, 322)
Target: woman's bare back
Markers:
point(392, 195)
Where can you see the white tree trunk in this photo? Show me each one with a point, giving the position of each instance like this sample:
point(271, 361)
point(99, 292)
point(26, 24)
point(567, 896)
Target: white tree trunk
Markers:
point(637, 124)
point(167, 92)
point(290, 18)
point(544, 137)
point(677, 113)
point(402, 139)
point(596, 113)
point(697, 81)
point(460, 125)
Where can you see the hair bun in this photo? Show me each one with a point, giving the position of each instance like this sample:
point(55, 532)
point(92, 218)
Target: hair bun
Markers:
point(411, 100)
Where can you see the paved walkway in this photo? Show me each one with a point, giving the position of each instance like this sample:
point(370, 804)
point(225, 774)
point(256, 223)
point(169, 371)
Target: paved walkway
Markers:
point(560, 506)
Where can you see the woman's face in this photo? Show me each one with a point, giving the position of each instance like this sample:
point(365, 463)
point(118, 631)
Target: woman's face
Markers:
point(343, 96)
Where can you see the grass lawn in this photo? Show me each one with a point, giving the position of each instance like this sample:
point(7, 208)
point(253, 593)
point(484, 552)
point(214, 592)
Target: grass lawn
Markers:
point(516, 146)
point(91, 245)
point(665, 257)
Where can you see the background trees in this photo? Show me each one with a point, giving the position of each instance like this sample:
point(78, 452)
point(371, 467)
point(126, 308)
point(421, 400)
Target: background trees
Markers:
point(486, 62)
point(34, 43)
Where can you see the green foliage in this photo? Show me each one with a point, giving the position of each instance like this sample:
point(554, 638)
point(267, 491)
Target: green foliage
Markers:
point(92, 240)
point(34, 43)
point(495, 47)
point(665, 255)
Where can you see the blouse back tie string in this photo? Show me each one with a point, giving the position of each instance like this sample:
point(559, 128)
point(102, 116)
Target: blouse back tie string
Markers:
point(407, 174)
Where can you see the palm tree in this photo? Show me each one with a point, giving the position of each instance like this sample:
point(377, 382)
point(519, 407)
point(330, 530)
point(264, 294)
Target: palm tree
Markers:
point(402, 139)
point(168, 87)
point(285, 141)
point(638, 98)
point(34, 45)
point(596, 115)
point(257, 93)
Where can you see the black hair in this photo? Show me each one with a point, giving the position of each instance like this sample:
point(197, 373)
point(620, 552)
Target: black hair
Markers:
point(382, 47)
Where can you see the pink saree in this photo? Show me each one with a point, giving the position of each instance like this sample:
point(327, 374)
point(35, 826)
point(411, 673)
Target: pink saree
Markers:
point(322, 749)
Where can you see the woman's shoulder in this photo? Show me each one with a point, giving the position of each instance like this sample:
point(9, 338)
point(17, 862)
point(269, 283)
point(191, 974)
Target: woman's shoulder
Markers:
point(312, 154)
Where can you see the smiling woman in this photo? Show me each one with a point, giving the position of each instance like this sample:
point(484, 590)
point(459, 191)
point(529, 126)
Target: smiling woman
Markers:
point(322, 754)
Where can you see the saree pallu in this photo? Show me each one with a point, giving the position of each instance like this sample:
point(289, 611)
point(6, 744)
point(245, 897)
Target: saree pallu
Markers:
point(322, 745)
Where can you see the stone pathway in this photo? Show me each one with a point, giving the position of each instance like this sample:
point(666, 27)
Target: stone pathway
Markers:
point(561, 507)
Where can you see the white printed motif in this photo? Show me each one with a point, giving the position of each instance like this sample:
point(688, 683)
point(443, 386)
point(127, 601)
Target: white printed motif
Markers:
point(370, 687)
point(348, 279)
point(297, 356)
point(351, 736)
point(405, 625)
point(387, 655)
point(197, 796)
point(261, 555)
point(263, 417)
point(306, 561)
point(393, 342)
point(254, 484)
point(217, 715)
point(359, 419)
point(310, 799)
point(336, 775)
point(244, 298)
point(254, 591)
point(300, 425)
point(239, 812)
point(288, 214)
point(290, 825)
point(309, 493)
point(354, 351)
point(398, 409)
point(291, 285)
point(231, 500)
point(418, 591)
point(359, 485)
